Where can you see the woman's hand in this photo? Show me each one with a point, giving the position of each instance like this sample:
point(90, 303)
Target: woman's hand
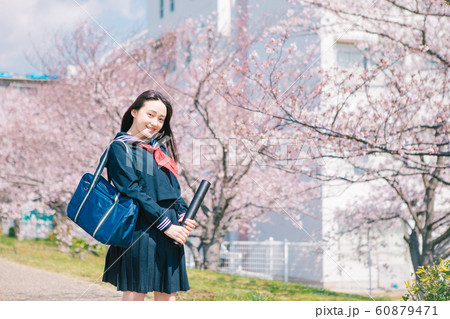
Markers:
point(189, 224)
point(178, 233)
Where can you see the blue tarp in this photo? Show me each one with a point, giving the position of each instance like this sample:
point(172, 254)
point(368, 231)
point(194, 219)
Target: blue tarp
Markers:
point(40, 76)
point(5, 75)
point(32, 76)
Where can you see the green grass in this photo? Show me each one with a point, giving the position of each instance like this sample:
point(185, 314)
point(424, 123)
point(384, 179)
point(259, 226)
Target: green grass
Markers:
point(44, 254)
point(205, 285)
point(208, 285)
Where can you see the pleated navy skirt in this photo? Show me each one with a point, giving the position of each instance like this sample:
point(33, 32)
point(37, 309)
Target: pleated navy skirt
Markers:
point(151, 263)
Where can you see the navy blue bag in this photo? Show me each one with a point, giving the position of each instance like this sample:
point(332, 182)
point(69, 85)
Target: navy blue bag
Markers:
point(99, 209)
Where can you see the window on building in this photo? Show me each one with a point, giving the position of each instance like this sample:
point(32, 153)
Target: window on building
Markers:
point(188, 52)
point(360, 165)
point(161, 9)
point(172, 5)
point(211, 38)
point(348, 55)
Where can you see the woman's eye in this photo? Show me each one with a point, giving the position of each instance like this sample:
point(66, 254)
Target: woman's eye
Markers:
point(161, 120)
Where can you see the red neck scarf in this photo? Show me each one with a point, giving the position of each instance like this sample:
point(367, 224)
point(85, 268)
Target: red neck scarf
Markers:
point(161, 158)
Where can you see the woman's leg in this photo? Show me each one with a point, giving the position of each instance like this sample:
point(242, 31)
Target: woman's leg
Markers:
point(161, 296)
point(133, 296)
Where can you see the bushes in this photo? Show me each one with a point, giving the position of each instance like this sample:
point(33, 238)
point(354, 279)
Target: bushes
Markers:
point(68, 241)
point(433, 283)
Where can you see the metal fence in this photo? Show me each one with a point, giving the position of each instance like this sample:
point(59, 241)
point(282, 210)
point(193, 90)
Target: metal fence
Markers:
point(280, 260)
point(304, 262)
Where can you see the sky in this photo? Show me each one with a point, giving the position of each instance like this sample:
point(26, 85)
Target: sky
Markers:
point(24, 22)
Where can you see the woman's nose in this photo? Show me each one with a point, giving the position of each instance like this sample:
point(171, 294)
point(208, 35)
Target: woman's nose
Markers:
point(154, 122)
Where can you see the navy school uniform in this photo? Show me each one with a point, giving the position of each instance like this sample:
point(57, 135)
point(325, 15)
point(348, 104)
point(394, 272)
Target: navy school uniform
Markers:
point(153, 262)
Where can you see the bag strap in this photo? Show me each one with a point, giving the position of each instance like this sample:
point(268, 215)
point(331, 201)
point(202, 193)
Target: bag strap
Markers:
point(96, 178)
point(104, 160)
point(100, 167)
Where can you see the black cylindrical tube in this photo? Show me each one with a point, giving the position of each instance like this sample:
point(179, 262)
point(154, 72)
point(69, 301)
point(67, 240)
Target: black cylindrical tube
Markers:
point(195, 203)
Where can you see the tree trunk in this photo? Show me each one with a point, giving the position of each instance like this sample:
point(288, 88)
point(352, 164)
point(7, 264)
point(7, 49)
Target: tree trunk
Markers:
point(196, 254)
point(211, 255)
point(413, 244)
point(425, 258)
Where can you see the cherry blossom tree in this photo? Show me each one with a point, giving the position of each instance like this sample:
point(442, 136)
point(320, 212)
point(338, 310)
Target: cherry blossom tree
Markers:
point(383, 122)
point(55, 133)
point(220, 142)
point(74, 118)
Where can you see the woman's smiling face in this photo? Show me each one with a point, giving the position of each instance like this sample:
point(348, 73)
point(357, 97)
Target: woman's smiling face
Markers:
point(148, 120)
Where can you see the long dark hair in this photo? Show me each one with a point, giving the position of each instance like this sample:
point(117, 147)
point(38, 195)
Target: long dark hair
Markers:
point(165, 135)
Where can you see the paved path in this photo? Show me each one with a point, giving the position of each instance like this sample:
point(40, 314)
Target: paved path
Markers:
point(20, 282)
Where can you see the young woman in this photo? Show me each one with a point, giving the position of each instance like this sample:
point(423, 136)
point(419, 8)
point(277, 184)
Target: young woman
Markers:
point(140, 167)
